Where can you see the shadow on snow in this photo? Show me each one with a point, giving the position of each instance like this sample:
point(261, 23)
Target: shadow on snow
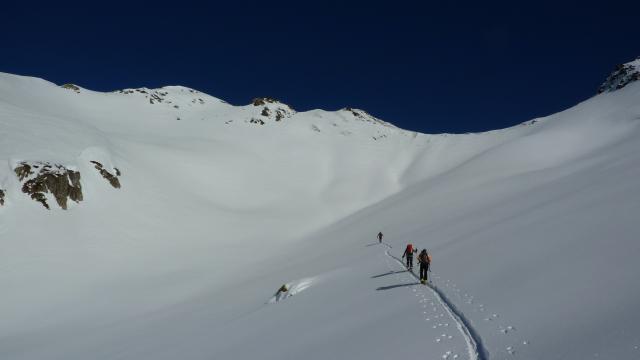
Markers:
point(388, 273)
point(397, 286)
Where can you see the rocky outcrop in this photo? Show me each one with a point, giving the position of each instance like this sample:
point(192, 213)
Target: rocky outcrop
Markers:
point(272, 109)
point(163, 96)
point(154, 96)
point(366, 117)
point(73, 87)
point(360, 114)
point(111, 178)
point(41, 178)
point(623, 75)
point(263, 101)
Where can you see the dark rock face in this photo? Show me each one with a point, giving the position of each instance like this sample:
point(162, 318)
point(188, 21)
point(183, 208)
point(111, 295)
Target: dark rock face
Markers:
point(623, 75)
point(2, 195)
point(40, 178)
point(113, 179)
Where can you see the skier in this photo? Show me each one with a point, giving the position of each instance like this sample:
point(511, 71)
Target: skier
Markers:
point(380, 237)
point(424, 259)
point(408, 252)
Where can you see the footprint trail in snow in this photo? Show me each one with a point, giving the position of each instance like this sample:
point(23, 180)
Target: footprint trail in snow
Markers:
point(475, 349)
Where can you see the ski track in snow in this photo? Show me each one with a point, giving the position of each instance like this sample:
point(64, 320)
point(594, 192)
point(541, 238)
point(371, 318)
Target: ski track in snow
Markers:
point(472, 339)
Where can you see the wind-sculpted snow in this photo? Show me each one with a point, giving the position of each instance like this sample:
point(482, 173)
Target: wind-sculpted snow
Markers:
point(215, 212)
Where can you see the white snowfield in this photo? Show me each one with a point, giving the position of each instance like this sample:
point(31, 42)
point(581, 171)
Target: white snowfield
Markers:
point(534, 232)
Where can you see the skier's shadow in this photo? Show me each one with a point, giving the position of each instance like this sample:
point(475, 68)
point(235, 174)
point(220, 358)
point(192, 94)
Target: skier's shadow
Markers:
point(397, 286)
point(388, 273)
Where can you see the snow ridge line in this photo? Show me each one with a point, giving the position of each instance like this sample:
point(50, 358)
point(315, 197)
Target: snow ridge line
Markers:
point(475, 347)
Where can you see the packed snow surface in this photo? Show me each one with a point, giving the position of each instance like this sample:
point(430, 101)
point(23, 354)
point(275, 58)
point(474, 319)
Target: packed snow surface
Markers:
point(533, 231)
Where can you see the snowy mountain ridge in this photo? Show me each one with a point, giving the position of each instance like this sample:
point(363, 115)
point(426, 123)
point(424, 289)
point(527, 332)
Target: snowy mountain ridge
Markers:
point(140, 111)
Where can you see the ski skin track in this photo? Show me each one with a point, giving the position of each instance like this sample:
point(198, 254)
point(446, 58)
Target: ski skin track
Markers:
point(475, 347)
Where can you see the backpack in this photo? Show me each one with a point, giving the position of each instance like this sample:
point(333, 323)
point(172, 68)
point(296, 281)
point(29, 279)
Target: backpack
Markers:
point(409, 249)
point(424, 258)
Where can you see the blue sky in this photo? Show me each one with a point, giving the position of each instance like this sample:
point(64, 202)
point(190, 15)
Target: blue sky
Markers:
point(446, 66)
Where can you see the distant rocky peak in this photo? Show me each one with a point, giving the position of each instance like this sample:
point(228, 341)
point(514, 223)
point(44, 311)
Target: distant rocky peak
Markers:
point(270, 109)
point(365, 116)
point(621, 76)
point(357, 112)
point(174, 96)
point(178, 88)
point(260, 101)
point(154, 95)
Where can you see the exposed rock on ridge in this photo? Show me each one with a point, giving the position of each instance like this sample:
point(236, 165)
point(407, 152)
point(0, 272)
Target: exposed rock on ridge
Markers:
point(366, 117)
point(623, 75)
point(73, 87)
point(272, 109)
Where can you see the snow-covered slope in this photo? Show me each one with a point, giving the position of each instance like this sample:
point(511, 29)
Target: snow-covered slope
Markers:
point(533, 230)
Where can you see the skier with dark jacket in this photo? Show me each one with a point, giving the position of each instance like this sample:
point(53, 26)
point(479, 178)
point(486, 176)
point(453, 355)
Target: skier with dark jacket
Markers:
point(408, 252)
point(424, 259)
point(380, 237)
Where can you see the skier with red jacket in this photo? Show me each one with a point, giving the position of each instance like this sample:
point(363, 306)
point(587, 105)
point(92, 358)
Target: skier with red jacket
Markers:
point(408, 252)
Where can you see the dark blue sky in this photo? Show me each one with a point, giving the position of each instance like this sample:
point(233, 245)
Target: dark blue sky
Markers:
point(443, 66)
